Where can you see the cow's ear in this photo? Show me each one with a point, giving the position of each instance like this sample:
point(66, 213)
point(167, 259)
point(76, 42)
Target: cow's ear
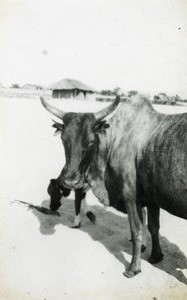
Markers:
point(101, 126)
point(58, 126)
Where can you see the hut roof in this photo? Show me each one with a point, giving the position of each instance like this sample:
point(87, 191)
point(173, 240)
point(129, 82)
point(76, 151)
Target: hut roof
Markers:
point(70, 84)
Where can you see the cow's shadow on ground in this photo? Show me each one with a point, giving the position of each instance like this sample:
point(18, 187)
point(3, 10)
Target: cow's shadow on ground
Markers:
point(113, 232)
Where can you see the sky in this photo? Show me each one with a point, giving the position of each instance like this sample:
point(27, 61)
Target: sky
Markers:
point(131, 44)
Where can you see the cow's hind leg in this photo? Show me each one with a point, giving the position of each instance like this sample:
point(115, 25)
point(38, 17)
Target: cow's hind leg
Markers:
point(153, 226)
point(144, 236)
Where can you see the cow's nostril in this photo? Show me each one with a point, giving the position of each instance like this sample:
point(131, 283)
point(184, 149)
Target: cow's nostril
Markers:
point(74, 182)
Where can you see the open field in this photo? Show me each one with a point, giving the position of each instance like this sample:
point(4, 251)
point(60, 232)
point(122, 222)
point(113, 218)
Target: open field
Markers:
point(41, 256)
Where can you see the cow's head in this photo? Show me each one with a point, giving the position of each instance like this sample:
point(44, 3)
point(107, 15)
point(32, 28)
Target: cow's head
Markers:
point(56, 191)
point(55, 194)
point(79, 135)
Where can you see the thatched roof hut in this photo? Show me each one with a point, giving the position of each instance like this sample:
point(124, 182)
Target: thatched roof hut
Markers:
point(70, 88)
point(162, 98)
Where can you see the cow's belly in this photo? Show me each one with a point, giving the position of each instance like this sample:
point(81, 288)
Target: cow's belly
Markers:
point(172, 200)
point(166, 195)
point(162, 172)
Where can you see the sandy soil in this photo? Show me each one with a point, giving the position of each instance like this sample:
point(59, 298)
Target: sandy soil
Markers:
point(41, 256)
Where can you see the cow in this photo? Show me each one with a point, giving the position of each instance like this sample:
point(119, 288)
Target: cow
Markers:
point(56, 191)
point(135, 159)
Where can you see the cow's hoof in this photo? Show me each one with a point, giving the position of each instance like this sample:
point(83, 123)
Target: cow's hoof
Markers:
point(91, 216)
point(143, 248)
point(130, 273)
point(76, 226)
point(155, 259)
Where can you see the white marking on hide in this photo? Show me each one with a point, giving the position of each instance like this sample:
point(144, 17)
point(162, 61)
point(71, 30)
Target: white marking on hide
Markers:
point(144, 236)
point(84, 206)
point(77, 220)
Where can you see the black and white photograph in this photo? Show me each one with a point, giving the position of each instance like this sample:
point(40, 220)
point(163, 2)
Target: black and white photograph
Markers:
point(93, 150)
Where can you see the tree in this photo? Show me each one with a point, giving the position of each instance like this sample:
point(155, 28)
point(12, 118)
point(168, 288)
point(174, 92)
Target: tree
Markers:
point(116, 91)
point(106, 92)
point(177, 98)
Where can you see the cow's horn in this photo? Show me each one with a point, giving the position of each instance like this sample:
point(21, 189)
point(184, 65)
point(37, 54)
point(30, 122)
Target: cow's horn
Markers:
point(55, 111)
point(108, 110)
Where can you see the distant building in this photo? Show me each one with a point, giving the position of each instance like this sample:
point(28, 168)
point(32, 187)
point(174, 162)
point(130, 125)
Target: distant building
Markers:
point(29, 86)
point(162, 98)
point(70, 88)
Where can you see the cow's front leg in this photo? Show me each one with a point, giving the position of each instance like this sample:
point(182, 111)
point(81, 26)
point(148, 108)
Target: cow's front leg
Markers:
point(153, 226)
point(79, 196)
point(80, 201)
point(90, 215)
point(135, 222)
point(144, 231)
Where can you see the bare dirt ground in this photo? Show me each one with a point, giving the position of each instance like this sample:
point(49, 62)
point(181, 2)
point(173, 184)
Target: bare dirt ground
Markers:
point(41, 256)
